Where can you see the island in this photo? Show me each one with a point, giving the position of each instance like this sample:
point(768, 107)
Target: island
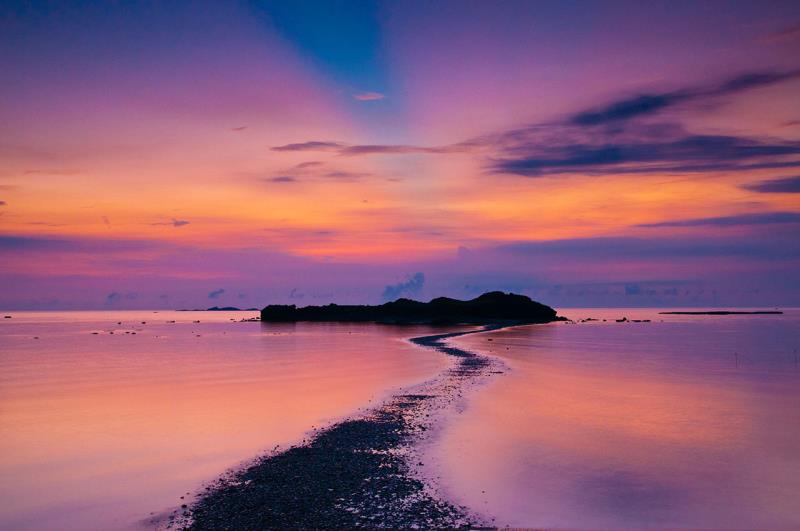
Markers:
point(494, 307)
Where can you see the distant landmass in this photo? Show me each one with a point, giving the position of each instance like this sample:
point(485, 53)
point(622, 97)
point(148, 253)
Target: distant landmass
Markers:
point(724, 312)
point(492, 307)
point(220, 309)
point(230, 309)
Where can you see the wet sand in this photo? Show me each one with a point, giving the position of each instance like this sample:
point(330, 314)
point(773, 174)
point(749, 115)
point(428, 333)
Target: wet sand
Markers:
point(362, 472)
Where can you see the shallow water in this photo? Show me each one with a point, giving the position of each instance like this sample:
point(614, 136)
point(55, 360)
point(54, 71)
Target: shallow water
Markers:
point(100, 431)
point(687, 421)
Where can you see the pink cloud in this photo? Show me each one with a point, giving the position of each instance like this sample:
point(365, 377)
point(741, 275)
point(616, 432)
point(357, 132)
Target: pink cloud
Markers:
point(369, 96)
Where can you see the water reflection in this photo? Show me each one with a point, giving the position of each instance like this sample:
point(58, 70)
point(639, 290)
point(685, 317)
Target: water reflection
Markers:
point(634, 425)
point(97, 431)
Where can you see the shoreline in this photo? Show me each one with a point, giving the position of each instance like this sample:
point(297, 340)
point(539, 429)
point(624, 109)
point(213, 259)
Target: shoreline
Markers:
point(362, 472)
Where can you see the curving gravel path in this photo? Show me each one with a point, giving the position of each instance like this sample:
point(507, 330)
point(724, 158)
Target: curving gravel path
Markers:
point(360, 473)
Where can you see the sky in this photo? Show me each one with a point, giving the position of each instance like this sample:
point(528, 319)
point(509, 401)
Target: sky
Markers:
point(195, 154)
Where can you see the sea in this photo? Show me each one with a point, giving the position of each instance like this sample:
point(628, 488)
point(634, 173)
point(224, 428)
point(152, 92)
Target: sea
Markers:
point(686, 421)
point(112, 420)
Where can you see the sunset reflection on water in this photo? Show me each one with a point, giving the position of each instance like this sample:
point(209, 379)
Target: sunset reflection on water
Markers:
point(681, 423)
point(98, 431)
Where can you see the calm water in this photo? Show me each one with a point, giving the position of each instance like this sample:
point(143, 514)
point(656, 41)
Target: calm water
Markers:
point(98, 431)
point(689, 422)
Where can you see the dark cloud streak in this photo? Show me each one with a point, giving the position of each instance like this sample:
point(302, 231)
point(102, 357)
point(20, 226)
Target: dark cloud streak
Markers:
point(12, 242)
point(174, 222)
point(281, 179)
point(768, 218)
point(347, 175)
point(313, 145)
point(785, 185)
point(787, 34)
point(778, 245)
point(683, 153)
point(647, 104)
point(372, 149)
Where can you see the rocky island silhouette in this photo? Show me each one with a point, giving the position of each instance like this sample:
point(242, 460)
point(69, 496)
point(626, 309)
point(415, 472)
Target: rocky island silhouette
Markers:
point(489, 308)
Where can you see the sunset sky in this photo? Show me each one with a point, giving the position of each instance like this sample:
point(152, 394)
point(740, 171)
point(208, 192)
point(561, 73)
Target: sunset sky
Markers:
point(191, 154)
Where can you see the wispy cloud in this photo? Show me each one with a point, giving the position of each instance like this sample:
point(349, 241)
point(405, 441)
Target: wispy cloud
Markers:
point(217, 293)
point(315, 170)
point(785, 185)
point(115, 297)
point(648, 104)
point(312, 145)
point(397, 149)
point(84, 245)
point(768, 218)
point(347, 175)
point(174, 222)
point(635, 151)
point(281, 179)
point(3, 203)
point(787, 34)
point(45, 224)
point(771, 246)
point(50, 172)
point(622, 137)
point(412, 286)
point(308, 164)
point(613, 138)
point(368, 96)
point(373, 149)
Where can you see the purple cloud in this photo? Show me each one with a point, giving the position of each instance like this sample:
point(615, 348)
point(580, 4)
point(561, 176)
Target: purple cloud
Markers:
point(11, 242)
point(769, 218)
point(347, 175)
point(647, 104)
point(786, 34)
point(613, 249)
point(281, 179)
point(586, 143)
point(785, 185)
point(174, 222)
point(411, 286)
point(312, 145)
point(631, 152)
point(309, 164)
point(217, 293)
point(368, 96)
point(374, 149)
